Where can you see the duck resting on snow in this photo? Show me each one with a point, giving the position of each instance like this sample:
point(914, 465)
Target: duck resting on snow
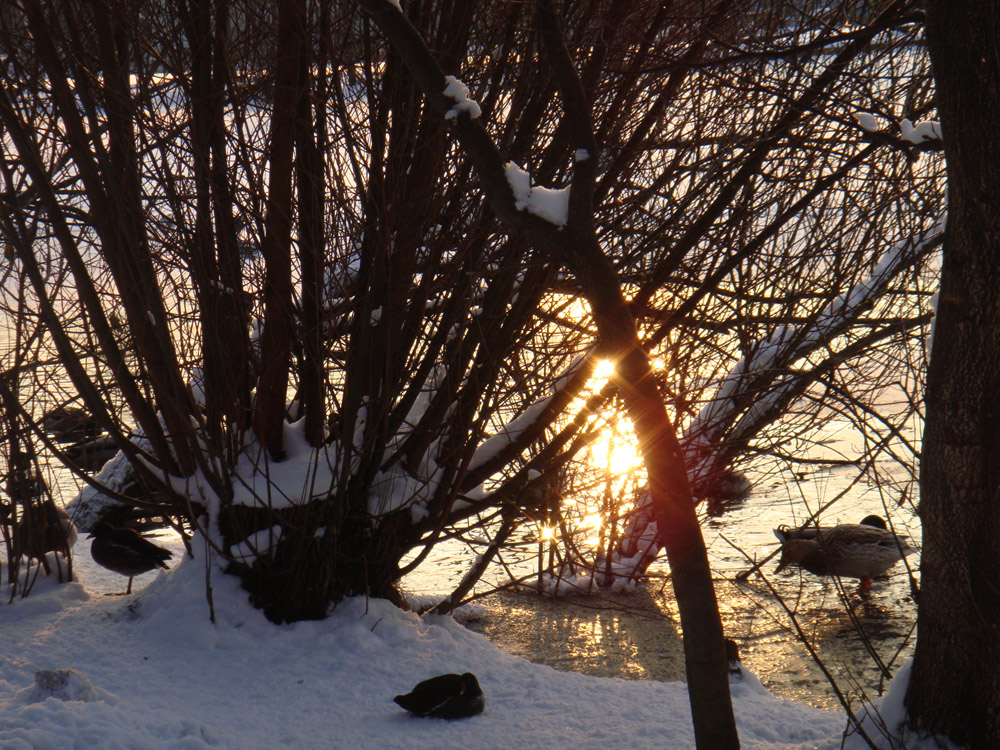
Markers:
point(863, 550)
point(447, 696)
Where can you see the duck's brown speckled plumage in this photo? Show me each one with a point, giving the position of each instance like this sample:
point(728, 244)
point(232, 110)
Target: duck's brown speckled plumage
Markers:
point(851, 550)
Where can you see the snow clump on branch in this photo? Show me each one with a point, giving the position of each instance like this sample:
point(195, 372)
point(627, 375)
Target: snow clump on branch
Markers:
point(545, 203)
point(926, 130)
point(459, 93)
point(867, 122)
point(923, 131)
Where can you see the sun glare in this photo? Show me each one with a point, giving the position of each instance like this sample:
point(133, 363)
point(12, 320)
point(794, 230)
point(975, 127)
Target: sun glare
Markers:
point(605, 369)
point(616, 450)
point(624, 459)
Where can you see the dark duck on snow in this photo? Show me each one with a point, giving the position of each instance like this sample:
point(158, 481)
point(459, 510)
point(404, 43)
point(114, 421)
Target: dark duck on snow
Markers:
point(126, 552)
point(863, 550)
point(447, 696)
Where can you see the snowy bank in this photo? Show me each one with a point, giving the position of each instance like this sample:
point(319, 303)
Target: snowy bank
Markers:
point(151, 671)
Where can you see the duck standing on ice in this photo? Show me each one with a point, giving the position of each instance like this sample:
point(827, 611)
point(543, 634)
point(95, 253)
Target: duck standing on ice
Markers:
point(863, 550)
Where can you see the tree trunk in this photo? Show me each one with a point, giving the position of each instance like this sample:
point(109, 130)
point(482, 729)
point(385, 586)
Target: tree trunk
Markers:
point(300, 576)
point(705, 660)
point(954, 687)
point(276, 339)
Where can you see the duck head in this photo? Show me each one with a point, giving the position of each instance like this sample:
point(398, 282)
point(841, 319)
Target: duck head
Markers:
point(794, 551)
point(100, 530)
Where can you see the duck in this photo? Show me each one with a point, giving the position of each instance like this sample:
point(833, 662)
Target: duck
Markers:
point(863, 550)
point(733, 657)
point(26, 486)
point(126, 551)
point(91, 455)
point(43, 527)
point(68, 424)
point(785, 532)
point(447, 696)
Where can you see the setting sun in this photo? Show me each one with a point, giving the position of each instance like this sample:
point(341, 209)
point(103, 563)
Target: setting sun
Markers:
point(605, 369)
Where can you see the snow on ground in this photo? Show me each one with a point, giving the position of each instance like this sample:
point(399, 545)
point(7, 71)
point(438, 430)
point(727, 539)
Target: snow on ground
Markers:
point(151, 672)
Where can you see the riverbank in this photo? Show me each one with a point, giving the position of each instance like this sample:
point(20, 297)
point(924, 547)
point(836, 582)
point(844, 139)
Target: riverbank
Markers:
point(151, 671)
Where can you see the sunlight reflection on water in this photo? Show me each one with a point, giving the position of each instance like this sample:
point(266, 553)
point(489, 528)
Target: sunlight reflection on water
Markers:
point(636, 636)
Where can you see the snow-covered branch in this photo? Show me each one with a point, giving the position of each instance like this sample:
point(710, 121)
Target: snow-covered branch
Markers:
point(758, 389)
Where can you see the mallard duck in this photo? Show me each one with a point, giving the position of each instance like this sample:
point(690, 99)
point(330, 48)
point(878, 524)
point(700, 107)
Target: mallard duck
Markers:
point(69, 424)
point(785, 532)
point(863, 550)
point(733, 657)
point(447, 696)
point(91, 455)
point(126, 551)
point(43, 528)
point(25, 486)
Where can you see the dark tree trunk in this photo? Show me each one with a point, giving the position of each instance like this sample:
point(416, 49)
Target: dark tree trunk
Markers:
point(955, 685)
point(673, 506)
point(300, 576)
point(276, 339)
point(310, 129)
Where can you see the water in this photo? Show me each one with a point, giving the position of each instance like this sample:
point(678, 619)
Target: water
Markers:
point(637, 635)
